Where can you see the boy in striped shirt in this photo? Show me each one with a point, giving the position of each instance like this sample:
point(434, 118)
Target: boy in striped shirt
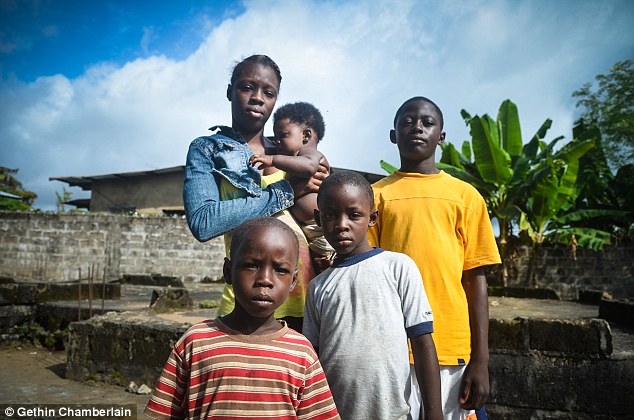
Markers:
point(247, 364)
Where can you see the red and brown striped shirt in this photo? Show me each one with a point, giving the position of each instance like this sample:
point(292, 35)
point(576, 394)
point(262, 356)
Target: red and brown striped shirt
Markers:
point(215, 372)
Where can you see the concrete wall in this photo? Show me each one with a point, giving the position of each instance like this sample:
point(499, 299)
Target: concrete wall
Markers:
point(147, 194)
point(611, 270)
point(558, 370)
point(53, 247)
point(539, 368)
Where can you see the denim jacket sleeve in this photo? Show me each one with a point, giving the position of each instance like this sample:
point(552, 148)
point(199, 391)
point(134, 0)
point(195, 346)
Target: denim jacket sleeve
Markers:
point(208, 161)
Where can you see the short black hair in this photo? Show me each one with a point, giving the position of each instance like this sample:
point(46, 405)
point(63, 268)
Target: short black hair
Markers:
point(302, 113)
point(354, 179)
point(262, 59)
point(423, 99)
point(242, 232)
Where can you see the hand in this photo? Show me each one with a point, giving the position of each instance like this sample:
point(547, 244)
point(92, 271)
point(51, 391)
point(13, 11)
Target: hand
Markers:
point(474, 390)
point(265, 161)
point(312, 186)
point(321, 263)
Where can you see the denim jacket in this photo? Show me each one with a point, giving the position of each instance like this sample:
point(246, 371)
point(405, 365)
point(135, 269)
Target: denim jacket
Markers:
point(226, 154)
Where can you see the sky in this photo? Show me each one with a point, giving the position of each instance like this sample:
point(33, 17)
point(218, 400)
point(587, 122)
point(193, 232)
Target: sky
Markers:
point(99, 87)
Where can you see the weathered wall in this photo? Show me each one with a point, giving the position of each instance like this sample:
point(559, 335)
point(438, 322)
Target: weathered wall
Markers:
point(54, 247)
point(539, 368)
point(558, 370)
point(611, 270)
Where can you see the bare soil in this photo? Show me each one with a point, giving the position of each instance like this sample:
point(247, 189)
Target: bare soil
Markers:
point(37, 376)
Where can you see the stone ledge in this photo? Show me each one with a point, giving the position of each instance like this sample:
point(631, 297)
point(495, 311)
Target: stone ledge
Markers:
point(523, 292)
point(620, 311)
point(572, 337)
point(559, 387)
point(152, 280)
point(34, 293)
point(121, 347)
point(11, 316)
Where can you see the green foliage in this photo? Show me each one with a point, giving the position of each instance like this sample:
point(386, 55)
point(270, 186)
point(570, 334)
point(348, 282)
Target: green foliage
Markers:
point(209, 304)
point(529, 187)
point(10, 184)
point(62, 198)
point(388, 167)
point(610, 107)
point(608, 198)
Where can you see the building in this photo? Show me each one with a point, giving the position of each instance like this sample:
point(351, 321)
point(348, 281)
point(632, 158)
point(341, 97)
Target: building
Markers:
point(158, 191)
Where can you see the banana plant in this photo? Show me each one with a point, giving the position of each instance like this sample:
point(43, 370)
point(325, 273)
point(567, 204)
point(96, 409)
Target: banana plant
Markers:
point(549, 212)
point(500, 169)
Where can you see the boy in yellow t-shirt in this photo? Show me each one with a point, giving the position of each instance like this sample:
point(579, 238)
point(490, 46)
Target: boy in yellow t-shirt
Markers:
point(443, 225)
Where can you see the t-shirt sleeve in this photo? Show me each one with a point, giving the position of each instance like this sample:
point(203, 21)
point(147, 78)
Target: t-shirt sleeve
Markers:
point(416, 309)
point(480, 247)
point(168, 397)
point(311, 323)
point(316, 400)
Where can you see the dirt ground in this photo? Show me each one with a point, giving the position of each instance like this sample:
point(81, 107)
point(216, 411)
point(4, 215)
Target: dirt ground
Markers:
point(36, 376)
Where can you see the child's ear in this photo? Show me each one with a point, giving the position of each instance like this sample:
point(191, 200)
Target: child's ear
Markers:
point(229, 88)
point(226, 270)
point(393, 136)
point(374, 216)
point(316, 216)
point(308, 134)
point(441, 140)
point(294, 281)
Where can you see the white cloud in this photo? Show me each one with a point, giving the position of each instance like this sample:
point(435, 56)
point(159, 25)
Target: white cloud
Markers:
point(355, 60)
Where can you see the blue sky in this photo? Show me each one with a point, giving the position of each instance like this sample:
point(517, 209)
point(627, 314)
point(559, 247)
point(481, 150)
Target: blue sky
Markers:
point(96, 87)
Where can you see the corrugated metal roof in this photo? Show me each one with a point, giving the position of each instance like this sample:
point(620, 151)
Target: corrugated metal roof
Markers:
point(85, 182)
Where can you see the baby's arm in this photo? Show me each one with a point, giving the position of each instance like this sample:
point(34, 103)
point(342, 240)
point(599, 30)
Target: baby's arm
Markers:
point(303, 165)
point(428, 375)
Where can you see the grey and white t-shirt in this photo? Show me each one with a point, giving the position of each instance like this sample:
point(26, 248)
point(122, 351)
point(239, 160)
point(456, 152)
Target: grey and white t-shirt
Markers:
point(359, 313)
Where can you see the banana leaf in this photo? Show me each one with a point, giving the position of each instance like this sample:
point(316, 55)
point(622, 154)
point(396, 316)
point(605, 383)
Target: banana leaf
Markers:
point(510, 132)
point(584, 214)
point(387, 167)
point(493, 163)
point(588, 238)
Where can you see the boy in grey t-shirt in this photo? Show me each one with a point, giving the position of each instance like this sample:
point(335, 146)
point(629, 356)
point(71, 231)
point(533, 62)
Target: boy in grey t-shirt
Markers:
point(361, 311)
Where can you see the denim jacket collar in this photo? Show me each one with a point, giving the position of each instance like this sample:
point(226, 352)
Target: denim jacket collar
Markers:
point(228, 132)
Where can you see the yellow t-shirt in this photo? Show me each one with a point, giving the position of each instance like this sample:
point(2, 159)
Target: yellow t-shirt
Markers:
point(442, 223)
point(294, 304)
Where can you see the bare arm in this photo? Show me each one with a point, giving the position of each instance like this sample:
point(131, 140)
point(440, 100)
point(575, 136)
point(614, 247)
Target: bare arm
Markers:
point(304, 165)
point(428, 374)
point(474, 390)
point(301, 188)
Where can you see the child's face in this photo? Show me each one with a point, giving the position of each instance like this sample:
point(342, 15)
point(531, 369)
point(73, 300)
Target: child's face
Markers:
point(344, 215)
point(289, 136)
point(417, 132)
point(262, 271)
point(253, 95)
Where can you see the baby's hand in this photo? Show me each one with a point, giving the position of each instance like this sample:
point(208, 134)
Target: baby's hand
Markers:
point(265, 160)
